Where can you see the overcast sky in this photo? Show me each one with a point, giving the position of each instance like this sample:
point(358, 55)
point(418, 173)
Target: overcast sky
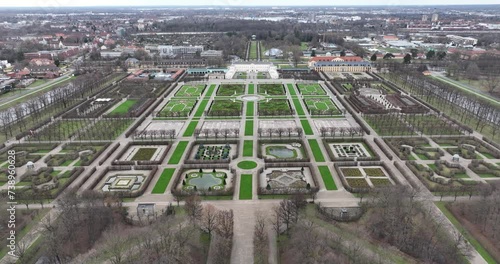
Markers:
point(58, 3)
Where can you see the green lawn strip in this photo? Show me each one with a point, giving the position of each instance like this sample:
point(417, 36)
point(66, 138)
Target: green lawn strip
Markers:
point(177, 154)
point(480, 249)
point(162, 183)
point(249, 128)
point(190, 129)
point(318, 156)
point(327, 177)
point(247, 148)
point(78, 163)
point(250, 109)
point(306, 126)
point(291, 90)
point(210, 90)
point(298, 107)
point(251, 89)
point(66, 163)
point(201, 108)
point(246, 187)
point(123, 107)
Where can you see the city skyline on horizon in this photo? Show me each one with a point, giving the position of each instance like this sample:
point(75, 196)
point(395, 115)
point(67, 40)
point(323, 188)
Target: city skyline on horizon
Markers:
point(230, 3)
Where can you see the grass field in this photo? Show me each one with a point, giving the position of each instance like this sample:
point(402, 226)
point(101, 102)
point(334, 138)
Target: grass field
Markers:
point(124, 107)
point(250, 109)
point(231, 89)
point(247, 148)
point(240, 75)
point(191, 90)
point(38, 82)
point(190, 129)
point(249, 128)
point(183, 107)
point(144, 154)
point(310, 89)
point(291, 90)
point(307, 127)
point(246, 187)
point(247, 165)
point(321, 106)
point(251, 89)
point(480, 249)
point(253, 50)
point(327, 177)
point(163, 181)
point(271, 89)
point(274, 107)
point(298, 107)
point(177, 154)
point(318, 156)
point(201, 108)
point(226, 108)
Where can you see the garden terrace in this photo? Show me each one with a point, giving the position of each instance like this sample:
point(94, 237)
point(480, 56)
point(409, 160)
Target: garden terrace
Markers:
point(310, 89)
point(143, 153)
point(205, 180)
point(178, 108)
point(467, 147)
point(211, 152)
point(485, 169)
point(282, 150)
point(123, 181)
point(403, 147)
point(406, 104)
point(51, 182)
point(271, 89)
point(191, 90)
point(231, 89)
point(27, 152)
point(366, 105)
point(321, 106)
point(92, 108)
point(218, 129)
point(83, 153)
point(361, 176)
point(438, 183)
point(278, 128)
point(294, 179)
point(349, 149)
point(274, 107)
point(215, 193)
point(225, 108)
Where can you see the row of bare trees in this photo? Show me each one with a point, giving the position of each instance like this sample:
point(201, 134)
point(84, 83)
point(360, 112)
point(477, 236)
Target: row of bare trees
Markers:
point(280, 132)
point(469, 109)
point(213, 221)
point(54, 101)
point(217, 133)
point(153, 134)
point(342, 131)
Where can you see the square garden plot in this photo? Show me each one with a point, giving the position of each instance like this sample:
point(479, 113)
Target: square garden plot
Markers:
point(194, 90)
point(53, 181)
point(271, 89)
point(206, 152)
point(146, 152)
point(321, 106)
point(276, 151)
point(404, 147)
point(468, 148)
point(123, 181)
point(350, 150)
point(310, 89)
point(178, 107)
point(362, 177)
point(219, 129)
point(200, 180)
point(231, 89)
point(283, 178)
point(225, 108)
point(274, 107)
